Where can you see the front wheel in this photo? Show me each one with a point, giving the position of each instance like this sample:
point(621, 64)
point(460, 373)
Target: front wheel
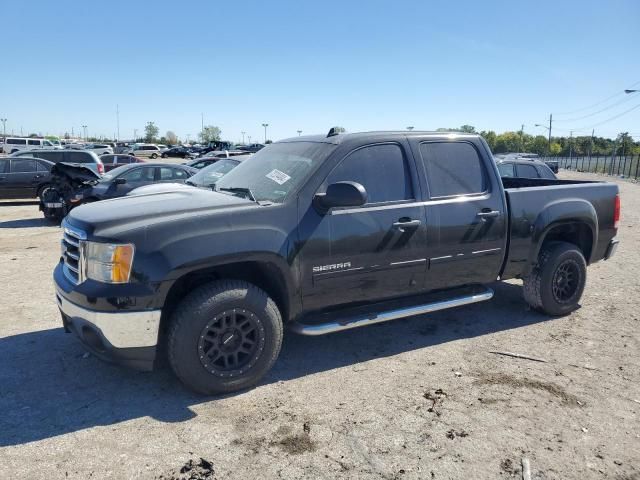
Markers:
point(154, 156)
point(556, 284)
point(224, 336)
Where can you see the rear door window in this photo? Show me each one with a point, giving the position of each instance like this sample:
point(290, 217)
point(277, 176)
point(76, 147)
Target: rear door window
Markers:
point(382, 170)
point(4, 166)
point(42, 167)
point(527, 171)
point(545, 172)
point(453, 168)
point(34, 142)
point(23, 165)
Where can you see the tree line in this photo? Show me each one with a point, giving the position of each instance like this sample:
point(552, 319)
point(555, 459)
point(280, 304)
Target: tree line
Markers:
point(560, 146)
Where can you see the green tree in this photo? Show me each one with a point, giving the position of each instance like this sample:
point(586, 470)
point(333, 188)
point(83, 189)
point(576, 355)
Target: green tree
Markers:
point(555, 149)
point(467, 129)
point(151, 132)
point(490, 137)
point(172, 138)
point(210, 133)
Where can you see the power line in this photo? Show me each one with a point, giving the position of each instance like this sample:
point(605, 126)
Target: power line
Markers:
point(624, 100)
point(597, 104)
point(611, 118)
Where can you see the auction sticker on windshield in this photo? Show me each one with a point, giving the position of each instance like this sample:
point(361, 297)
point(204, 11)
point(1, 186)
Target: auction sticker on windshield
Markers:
point(277, 176)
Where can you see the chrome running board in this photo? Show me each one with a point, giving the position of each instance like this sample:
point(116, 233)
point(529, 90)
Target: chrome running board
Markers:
point(394, 314)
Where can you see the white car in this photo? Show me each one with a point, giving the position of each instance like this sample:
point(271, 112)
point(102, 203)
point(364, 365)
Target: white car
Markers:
point(99, 148)
point(144, 150)
point(17, 144)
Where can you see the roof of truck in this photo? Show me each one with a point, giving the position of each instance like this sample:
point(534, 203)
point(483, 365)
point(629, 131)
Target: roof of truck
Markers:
point(341, 137)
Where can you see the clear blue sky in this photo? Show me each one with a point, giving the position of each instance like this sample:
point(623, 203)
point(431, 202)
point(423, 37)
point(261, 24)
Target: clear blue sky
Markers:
point(311, 65)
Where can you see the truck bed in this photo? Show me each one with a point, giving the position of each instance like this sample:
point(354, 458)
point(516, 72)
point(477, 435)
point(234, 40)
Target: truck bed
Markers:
point(532, 203)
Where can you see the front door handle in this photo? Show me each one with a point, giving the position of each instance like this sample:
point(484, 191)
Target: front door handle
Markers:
point(488, 213)
point(402, 224)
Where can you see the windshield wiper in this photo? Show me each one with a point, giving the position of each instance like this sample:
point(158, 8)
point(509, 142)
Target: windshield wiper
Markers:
point(244, 190)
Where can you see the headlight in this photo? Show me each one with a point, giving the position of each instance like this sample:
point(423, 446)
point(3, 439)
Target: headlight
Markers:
point(108, 262)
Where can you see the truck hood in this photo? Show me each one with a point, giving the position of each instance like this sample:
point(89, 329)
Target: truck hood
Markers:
point(110, 218)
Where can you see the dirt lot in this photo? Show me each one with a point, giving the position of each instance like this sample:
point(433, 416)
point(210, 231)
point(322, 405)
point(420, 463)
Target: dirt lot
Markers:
point(417, 398)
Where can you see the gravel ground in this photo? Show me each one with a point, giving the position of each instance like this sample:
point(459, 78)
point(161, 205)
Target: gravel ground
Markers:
point(416, 398)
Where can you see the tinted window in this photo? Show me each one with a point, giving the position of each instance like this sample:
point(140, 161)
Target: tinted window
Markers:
point(166, 173)
point(506, 170)
point(527, 171)
point(453, 168)
point(545, 172)
point(139, 175)
point(381, 169)
point(108, 159)
point(79, 157)
point(42, 167)
point(22, 166)
point(180, 174)
point(33, 142)
point(4, 166)
point(16, 141)
point(54, 157)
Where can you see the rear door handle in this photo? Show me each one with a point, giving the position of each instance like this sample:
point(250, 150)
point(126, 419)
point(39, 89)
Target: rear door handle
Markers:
point(488, 213)
point(401, 225)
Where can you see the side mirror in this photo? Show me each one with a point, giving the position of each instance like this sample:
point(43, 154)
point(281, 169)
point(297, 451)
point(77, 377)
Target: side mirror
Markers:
point(341, 194)
point(120, 181)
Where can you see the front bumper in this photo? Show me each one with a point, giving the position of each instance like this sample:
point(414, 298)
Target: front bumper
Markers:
point(611, 249)
point(126, 338)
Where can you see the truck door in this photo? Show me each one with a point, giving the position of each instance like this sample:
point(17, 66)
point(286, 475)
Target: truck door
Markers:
point(5, 191)
point(370, 252)
point(466, 204)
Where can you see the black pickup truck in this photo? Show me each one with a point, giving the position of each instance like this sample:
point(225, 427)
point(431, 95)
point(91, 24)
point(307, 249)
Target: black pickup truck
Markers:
point(320, 234)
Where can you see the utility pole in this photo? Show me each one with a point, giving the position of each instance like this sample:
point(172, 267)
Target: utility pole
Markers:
point(522, 138)
point(571, 145)
point(249, 138)
point(591, 147)
point(4, 127)
point(243, 137)
point(118, 121)
point(550, 126)
point(299, 132)
point(135, 135)
point(265, 125)
point(84, 127)
point(202, 126)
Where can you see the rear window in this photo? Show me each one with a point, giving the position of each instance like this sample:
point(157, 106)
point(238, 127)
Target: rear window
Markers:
point(527, 171)
point(506, 170)
point(453, 168)
point(16, 141)
point(79, 157)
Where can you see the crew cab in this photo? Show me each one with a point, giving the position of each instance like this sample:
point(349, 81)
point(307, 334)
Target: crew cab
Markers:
point(320, 234)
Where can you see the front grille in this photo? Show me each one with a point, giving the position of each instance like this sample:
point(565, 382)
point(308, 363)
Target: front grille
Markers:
point(73, 266)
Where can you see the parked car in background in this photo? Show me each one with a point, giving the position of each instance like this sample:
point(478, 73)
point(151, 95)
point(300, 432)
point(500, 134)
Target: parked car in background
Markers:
point(121, 147)
point(213, 157)
point(17, 144)
point(178, 152)
point(111, 162)
point(144, 150)
point(120, 181)
point(205, 178)
point(162, 147)
point(522, 168)
point(79, 157)
point(99, 148)
point(23, 177)
point(252, 147)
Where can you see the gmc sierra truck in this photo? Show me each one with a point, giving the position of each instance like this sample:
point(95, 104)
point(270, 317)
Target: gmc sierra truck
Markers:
point(320, 234)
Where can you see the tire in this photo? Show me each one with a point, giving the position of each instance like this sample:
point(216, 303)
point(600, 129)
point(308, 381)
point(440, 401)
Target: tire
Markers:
point(163, 156)
point(154, 156)
point(41, 190)
point(556, 284)
point(212, 316)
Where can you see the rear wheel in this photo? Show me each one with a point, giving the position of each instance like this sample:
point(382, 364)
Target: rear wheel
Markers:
point(224, 336)
point(556, 284)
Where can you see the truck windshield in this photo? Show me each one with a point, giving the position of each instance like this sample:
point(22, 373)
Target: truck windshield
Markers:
point(275, 170)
